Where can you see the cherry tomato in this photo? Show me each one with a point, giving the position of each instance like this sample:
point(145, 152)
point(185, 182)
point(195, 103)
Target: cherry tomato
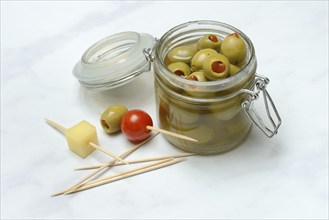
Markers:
point(134, 123)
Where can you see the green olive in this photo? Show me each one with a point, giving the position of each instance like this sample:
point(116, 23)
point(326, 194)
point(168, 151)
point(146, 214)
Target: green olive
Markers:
point(197, 76)
point(111, 118)
point(193, 90)
point(200, 56)
point(163, 111)
point(227, 109)
point(179, 68)
point(181, 54)
point(234, 48)
point(239, 124)
point(234, 69)
point(216, 67)
point(209, 41)
point(181, 118)
point(202, 133)
point(175, 116)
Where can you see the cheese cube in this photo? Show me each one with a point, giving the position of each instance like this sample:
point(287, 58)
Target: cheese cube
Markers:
point(79, 136)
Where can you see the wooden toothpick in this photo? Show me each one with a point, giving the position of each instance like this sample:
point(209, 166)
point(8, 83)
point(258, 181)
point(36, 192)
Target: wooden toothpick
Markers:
point(126, 174)
point(139, 161)
point(106, 166)
point(107, 152)
point(171, 133)
point(56, 125)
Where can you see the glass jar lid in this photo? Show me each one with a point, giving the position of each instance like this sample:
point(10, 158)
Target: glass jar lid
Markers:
point(114, 60)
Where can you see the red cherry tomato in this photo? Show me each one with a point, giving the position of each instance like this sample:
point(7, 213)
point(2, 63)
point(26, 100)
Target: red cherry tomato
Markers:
point(133, 125)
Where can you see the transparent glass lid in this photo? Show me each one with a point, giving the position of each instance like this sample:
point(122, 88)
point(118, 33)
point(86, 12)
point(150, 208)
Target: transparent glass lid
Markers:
point(114, 60)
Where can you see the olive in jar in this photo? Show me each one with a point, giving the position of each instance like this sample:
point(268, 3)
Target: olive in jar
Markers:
point(216, 67)
point(203, 133)
point(181, 54)
point(193, 90)
point(197, 76)
point(179, 68)
point(227, 109)
point(239, 124)
point(234, 69)
point(209, 41)
point(234, 48)
point(199, 58)
point(181, 118)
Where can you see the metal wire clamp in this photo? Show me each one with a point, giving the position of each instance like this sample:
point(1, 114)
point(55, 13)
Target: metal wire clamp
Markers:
point(259, 86)
point(148, 52)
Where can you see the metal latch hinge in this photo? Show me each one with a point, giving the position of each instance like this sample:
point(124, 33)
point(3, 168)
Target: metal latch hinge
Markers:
point(148, 52)
point(275, 120)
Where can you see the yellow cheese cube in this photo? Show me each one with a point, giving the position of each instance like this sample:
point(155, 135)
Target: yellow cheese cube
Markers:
point(79, 136)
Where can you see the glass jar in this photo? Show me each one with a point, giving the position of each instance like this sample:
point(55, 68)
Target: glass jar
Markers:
point(211, 111)
point(219, 114)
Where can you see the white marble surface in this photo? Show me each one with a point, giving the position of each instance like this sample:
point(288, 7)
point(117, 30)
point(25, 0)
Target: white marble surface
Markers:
point(283, 177)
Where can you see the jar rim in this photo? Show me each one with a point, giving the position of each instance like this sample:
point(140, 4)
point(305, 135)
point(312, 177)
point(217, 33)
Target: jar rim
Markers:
point(217, 83)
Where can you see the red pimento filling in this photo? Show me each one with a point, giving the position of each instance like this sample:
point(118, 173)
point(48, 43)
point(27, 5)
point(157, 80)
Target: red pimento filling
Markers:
point(218, 67)
point(213, 38)
point(179, 73)
point(234, 34)
point(193, 78)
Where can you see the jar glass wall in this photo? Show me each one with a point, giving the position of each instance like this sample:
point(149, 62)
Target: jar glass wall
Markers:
point(207, 111)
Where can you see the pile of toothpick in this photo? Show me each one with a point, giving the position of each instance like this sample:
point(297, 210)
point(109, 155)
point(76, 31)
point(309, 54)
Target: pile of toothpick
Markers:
point(155, 163)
